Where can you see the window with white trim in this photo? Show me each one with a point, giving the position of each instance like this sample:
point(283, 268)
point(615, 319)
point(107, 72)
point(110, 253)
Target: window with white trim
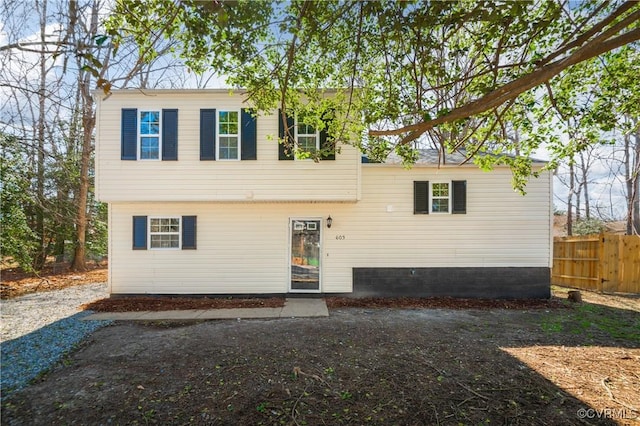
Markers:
point(228, 135)
point(164, 232)
point(149, 140)
point(440, 199)
point(307, 137)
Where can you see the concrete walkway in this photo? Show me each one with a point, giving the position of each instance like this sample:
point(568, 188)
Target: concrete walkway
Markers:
point(293, 308)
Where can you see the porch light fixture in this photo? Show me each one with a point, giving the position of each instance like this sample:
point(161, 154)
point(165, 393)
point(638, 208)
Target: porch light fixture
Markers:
point(329, 221)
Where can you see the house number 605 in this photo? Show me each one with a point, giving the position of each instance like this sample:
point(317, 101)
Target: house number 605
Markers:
point(340, 237)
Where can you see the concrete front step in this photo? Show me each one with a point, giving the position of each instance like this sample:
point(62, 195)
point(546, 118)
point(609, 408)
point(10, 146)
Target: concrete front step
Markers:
point(293, 308)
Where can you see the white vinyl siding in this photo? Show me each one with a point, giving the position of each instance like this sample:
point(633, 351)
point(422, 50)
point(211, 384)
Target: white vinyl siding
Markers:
point(501, 228)
point(244, 247)
point(191, 180)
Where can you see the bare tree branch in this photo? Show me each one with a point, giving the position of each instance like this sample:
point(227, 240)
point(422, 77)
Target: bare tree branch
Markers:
point(513, 89)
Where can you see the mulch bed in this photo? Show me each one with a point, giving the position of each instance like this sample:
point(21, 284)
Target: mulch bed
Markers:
point(167, 303)
point(55, 276)
point(443, 303)
point(161, 303)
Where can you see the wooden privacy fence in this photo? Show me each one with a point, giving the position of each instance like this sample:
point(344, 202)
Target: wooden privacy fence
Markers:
point(605, 262)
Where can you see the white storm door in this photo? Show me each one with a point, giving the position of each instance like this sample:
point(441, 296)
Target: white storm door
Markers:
point(304, 264)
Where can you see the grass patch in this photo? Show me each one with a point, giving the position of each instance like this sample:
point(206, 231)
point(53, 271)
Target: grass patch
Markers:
point(588, 319)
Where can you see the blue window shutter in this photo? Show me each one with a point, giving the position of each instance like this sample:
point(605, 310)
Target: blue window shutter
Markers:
point(169, 134)
point(249, 135)
point(421, 197)
point(459, 197)
point(207, 134)
point(139, 232)
point(285, 152)
point(326, 143)
point(129, 134)
point(189, 232)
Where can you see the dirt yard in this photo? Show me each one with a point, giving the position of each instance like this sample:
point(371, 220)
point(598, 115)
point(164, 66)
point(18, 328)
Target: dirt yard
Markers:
point(385, 361)
point(55, 276)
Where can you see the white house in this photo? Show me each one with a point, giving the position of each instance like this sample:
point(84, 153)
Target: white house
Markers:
point(203, 200)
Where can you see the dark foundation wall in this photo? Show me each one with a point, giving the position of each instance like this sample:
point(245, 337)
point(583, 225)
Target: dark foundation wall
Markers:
point(485, 283)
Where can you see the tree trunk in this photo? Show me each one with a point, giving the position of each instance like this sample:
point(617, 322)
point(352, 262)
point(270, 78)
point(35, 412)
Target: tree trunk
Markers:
point(584, 166)
point(628, 180)
point(41, 256)
point(578, 193)
point(79, 257)
point(88, 124)
point(574, 296)
point(635, 204)
point(570, 200)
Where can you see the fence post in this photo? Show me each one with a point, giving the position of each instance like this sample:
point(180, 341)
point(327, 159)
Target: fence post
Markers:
point(616, 274)
point(622, 262)
point(602, 263)
point(610, 262)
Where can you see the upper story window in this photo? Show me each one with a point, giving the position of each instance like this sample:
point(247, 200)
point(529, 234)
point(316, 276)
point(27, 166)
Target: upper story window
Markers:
point(307, 136)
point(228, 135)
point(440, 197)
point(440, 200)
point(297, 137)
point(149, 135)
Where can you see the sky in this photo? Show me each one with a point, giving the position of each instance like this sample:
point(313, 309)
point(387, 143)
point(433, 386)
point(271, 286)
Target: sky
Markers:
point(605, 182)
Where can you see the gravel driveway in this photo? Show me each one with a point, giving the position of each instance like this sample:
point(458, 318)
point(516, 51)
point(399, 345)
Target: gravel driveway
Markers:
point(24, 314)
point(40, 328)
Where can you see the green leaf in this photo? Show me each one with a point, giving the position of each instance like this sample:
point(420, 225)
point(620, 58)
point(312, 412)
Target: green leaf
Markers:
point(100, 39)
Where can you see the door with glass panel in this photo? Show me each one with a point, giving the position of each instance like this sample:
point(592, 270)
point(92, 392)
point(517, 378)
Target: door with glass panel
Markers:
point(305, 255)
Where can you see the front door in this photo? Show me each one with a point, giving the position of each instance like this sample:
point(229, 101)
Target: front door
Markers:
point(305, 255)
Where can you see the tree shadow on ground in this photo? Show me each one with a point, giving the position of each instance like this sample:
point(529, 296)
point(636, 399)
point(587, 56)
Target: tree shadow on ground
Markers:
point(31, 355)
